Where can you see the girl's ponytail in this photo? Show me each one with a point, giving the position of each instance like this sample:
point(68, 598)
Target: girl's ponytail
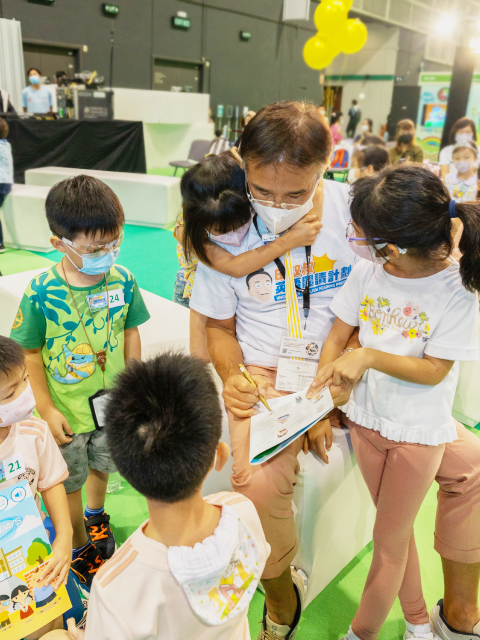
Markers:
point(469, 214)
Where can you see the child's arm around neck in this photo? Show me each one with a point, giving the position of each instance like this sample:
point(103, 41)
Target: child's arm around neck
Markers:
point(301, 234)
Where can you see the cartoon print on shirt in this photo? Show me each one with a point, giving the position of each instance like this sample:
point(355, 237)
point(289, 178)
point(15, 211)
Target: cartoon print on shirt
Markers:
point(408, 321)
point(259, 284)
point(233, 585)
point(79, 364)
point(28, 474)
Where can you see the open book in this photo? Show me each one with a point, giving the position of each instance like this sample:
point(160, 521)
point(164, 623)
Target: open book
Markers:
point(25, 605)
point(291, 416)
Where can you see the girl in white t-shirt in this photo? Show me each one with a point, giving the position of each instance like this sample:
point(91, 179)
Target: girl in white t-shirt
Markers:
point(462, 184)
point(416, 310)
point(216, 210)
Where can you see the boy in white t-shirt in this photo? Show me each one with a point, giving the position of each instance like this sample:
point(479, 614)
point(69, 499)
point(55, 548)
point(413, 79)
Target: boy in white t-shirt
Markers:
point(39, 458)
point(191, 570)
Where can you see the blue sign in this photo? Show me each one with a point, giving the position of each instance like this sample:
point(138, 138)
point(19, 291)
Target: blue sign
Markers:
point(428, 96)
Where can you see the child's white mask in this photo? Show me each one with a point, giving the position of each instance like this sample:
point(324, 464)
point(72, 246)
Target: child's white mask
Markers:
point(19, 409)
point(219, 576)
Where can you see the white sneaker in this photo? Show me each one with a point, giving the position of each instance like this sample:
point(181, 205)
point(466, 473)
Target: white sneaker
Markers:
point(444, 631)
point(408, 635)
point(300, 579)
point(273, 631)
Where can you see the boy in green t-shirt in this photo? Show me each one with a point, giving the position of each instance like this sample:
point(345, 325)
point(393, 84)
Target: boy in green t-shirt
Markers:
point(78, 325)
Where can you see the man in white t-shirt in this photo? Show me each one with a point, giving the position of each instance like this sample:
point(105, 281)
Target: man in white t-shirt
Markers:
point(285, 149)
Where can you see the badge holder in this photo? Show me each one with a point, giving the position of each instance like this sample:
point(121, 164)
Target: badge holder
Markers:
point(98, 405)
point(297, 362)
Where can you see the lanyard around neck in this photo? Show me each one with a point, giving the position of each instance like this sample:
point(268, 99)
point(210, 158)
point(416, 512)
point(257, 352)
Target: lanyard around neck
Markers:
point(281, 267)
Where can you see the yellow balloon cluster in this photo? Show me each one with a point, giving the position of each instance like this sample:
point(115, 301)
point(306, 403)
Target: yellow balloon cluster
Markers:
point(336, 33)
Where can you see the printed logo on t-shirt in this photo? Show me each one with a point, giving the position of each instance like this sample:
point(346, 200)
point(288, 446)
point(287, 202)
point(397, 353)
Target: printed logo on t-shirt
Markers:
point(323, 275)
point(408, 321)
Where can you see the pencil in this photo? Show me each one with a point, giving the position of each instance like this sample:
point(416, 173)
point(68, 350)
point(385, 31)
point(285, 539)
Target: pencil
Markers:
point(250, 379)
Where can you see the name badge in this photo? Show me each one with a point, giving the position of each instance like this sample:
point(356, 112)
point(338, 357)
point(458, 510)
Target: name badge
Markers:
point(98, 301)
point(11, 467)
point(269, 237)
point(297, 363)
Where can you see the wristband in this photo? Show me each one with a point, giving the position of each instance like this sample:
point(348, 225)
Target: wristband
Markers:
point(346, 351)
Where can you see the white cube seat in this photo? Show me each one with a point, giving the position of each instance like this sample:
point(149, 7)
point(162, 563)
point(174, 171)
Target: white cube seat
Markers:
point(23, 218)
point(147, 200)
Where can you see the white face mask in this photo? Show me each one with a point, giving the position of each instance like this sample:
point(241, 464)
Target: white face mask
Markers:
point(351, 178)
point(462, 166)
point(463, 137)
point(19, 409)
point(278, 220)
point(365, 127)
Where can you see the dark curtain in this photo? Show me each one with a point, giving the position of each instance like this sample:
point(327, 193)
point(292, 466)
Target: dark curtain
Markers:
point(108, 145)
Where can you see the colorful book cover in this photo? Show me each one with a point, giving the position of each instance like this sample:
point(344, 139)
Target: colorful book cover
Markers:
point(25, 606)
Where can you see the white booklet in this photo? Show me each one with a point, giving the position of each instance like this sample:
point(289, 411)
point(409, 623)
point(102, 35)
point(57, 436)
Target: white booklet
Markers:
point(291, 416)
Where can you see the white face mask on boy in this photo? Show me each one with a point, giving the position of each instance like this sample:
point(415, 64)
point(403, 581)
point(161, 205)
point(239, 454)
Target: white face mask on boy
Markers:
point(19, 409)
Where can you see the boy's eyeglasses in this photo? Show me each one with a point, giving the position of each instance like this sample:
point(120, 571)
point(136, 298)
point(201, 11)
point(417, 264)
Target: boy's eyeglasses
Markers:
point(95, 249)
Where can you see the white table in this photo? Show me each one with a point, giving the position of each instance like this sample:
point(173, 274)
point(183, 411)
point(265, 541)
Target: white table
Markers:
point(152, 201)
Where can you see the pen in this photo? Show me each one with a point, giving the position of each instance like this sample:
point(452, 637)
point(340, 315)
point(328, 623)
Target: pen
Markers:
point(250, 379)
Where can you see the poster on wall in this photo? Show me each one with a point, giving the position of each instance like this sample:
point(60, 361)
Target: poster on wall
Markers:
point(432, 110)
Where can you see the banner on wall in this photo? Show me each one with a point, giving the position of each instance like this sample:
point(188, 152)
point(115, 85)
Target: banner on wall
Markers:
point(432, 109)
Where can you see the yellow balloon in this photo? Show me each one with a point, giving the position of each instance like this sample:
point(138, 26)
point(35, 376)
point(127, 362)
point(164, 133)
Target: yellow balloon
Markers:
point(316, 53)
point(330, 17)
point(354, 36)
point(347, 4)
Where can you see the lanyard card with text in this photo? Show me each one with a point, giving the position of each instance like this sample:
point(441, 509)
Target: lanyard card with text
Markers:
point(297, 363)
point(98, 301)
point(292, 415)
point(27, 605)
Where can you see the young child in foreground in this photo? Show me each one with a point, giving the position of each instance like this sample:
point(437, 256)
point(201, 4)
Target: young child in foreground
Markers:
point(30, 439)
point(417, 310)
point(78, 324)
point(217, 211)
point(191, 570)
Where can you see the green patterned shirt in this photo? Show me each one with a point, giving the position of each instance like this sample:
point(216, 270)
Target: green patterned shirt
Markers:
point(47, 318)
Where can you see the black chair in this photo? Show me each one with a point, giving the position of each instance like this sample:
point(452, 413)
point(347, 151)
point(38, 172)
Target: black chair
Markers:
point(198, 150)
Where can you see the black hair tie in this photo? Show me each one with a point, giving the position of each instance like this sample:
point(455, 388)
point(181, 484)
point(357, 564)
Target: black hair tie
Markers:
point(451, 209)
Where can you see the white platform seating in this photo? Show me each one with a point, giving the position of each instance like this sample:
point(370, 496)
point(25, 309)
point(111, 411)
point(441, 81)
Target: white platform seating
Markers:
point(466, 406)
point(147, 200)
point(333, 511)
point(23, 218)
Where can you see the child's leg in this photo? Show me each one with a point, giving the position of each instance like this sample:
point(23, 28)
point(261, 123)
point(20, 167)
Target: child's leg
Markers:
point(40, 633)
point(198, 336)
point(411, 592)
point(398, 476)
point(179, 288)
point(75, 507)
point(457, 530)
point(96, 487)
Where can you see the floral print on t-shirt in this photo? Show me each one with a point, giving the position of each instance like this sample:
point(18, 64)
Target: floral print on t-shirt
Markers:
point(408, 321)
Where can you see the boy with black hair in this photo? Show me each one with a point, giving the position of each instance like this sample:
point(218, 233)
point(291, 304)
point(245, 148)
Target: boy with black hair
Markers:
point(78, 325)
point(6, 170)
point(191, 570)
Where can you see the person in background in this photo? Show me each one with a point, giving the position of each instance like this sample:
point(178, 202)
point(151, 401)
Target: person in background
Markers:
point(463, 130)
point(354, 115)
point(406, 148)
point(243, 123)
point(374, 141)
point(60, 77)
point(6, 171)
point(335, 129)
point(367, 162)
point(462, 182)
point(367, 130)
point(322, 111)
point(5, 105)
point(36, 98)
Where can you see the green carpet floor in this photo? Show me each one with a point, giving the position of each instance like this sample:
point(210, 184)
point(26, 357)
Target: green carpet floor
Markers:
point(150, 255)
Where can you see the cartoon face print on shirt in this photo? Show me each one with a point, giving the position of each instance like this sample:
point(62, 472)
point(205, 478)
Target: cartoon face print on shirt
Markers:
point(259, 285)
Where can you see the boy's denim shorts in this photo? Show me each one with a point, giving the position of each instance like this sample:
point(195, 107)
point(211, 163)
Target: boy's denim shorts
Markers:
point(86, 451)
point(180, 284)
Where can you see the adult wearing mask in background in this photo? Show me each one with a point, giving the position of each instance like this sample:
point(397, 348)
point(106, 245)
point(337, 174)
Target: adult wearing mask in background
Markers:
point(367, 130)
point(406, 149)
point(463, 130)
point(354, 115)
point(243, 123)
point(335, 129)
point(36, 98)
point(5, 105)
point(285, 150)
